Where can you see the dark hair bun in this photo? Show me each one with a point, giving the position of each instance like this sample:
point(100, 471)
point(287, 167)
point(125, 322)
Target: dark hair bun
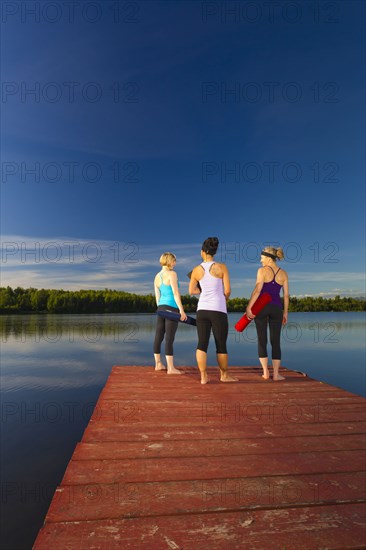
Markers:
point(210, 245)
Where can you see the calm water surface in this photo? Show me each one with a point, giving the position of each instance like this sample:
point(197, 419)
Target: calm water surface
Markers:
point(53, 368)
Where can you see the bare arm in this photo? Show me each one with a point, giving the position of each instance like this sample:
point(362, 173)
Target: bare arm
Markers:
point(286, 300)
point(156, 290)
point(226, 281)
point(193, 288)
point(174, 284)
point(256, 292)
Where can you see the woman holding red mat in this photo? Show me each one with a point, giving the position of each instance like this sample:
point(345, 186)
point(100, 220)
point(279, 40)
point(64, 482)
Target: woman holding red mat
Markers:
point(270, 279)
point(167, 297)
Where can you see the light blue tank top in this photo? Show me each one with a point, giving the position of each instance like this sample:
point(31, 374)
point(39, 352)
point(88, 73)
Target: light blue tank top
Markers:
point(166, 295)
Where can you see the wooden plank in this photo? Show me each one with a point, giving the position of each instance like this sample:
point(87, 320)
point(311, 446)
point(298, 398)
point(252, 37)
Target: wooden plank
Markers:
point(254, 392)
point(95, 501)
point(336, 527)
point(228, 414)
point(185, 429)
point(134, 410)
point(217, 447)
point(160, 469)
point(197, 404)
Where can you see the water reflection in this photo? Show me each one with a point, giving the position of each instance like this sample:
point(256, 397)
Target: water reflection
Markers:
point(90, 328)
point(58, 351)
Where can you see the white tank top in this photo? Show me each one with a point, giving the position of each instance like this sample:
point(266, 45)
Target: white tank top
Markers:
point(212, 296)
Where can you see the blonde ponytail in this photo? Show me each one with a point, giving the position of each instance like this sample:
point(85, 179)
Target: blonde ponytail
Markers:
point(279, 253)
point(276, 252)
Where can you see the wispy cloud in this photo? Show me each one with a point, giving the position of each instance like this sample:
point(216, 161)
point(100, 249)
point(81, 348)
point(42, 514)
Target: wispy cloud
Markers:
point(78, 263)
point(328, 276)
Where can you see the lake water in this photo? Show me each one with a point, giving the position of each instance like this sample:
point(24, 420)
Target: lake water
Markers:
point(53, 368)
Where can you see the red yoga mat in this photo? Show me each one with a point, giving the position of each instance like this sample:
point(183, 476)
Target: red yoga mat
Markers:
point(258, 305)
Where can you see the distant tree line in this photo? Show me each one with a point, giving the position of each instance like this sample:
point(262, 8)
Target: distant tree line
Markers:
point(28, 300)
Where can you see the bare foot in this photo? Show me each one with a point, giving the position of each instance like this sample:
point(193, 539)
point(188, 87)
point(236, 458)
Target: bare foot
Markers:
point(278, 377)
point(173, 370)
point(228, 378)
point(204, 378)
point(160, 366)
point(265, 374)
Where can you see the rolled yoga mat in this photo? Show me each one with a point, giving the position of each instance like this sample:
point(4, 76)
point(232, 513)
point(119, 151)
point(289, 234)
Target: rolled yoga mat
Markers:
point(173, 316)
point(258, 305)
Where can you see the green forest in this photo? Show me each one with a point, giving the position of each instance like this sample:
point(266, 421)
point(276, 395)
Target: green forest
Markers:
point(32, 300)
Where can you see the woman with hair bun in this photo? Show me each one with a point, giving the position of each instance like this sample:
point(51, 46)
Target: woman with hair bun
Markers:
point(211, 280)
point(167, 296)
point(270, 279)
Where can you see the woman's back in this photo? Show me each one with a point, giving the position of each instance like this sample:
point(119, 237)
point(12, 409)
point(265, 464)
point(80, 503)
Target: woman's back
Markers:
point(268, 274)
point(273, 282)
point(212, 296)
point(162, 281)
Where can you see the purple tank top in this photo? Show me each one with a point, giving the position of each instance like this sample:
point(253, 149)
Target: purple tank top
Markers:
point(212, 296)
point(274, 289)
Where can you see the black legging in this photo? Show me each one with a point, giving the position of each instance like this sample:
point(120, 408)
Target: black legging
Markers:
point(165, 327)
point(217, 320)
point(273, 315)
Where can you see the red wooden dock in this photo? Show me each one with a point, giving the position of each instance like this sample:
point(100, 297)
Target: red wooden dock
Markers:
point(166, 463)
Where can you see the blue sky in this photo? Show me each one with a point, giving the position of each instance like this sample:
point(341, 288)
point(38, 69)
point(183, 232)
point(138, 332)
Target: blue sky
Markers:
point(129, 133)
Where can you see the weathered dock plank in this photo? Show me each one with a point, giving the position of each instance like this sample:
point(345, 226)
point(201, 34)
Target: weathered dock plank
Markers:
point(332, 527)
point(186, 430)
point(168, 463)
point(217, 447)
point(78, 503)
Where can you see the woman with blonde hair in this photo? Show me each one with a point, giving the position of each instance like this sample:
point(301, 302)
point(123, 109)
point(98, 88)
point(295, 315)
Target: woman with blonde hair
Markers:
point(167, 297)
point(270, 279)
